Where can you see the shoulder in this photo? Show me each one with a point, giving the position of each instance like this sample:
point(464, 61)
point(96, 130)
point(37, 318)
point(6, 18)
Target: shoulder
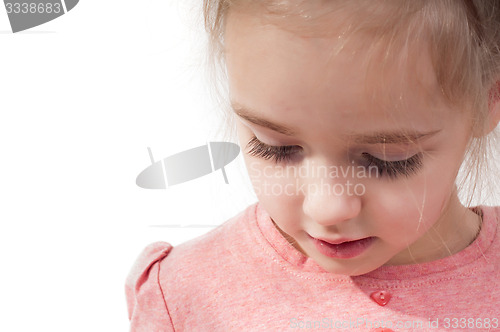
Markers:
point(491, 218)
point(146, 306)
point(215, 248)
point(141, 268)
point(164, 274)
point(196, 271)
point(489, 238)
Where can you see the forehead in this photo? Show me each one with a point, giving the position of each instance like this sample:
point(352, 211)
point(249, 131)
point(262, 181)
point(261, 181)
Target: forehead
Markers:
point(277, 72)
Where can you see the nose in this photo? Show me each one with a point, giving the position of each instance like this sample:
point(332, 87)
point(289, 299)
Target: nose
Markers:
point(330, 202)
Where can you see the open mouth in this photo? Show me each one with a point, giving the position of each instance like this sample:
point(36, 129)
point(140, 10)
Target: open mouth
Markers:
point(347, 249)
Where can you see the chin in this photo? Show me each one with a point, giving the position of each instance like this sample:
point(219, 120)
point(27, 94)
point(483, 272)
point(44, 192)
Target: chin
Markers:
point(351, 271)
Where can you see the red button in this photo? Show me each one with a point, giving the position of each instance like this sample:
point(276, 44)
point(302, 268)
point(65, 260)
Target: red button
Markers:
point(381, 297)
point(383, 329)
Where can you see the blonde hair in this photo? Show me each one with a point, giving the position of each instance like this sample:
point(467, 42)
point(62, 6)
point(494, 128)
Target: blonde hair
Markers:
point(463, 36)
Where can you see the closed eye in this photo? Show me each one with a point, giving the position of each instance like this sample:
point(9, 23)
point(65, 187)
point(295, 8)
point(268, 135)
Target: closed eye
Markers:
point(394, 169)
point(284, 154)
point(280, 154)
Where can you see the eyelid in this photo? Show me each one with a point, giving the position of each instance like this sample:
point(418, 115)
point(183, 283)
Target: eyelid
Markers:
point(392, 169)
point(393, 157)
point(265, 151)
point(388, 156)
point(388, 153)
point(266, 134)
point(272, 146)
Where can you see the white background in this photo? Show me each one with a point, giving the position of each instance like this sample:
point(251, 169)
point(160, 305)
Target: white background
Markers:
point(81, 99)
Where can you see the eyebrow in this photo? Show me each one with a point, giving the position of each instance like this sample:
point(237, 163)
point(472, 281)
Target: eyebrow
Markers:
point(403, 136)
point(248, 115)
point(392, 137)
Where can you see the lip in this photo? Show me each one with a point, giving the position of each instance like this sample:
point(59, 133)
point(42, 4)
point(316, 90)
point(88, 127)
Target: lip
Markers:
point(336, 241)
point(342, 247)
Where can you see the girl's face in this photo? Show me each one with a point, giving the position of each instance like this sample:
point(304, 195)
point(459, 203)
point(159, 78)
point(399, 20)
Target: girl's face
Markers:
point(347, 173)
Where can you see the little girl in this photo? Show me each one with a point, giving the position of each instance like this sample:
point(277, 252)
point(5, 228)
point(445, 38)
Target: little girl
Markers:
point(355, 118)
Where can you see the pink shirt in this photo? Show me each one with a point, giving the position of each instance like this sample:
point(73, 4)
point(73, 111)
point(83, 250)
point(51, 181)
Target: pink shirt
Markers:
point(245, 276)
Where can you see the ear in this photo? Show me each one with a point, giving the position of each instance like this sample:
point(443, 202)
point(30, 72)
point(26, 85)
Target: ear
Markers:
point(494, 109)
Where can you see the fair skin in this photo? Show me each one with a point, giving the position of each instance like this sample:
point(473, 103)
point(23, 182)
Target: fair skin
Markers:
point(295, 82)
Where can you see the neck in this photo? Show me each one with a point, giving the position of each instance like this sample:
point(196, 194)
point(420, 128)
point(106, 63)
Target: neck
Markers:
point(455, 230)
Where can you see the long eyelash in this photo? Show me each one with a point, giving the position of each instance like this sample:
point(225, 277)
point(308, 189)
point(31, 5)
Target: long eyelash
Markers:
point(278, 153)
point(394, 169)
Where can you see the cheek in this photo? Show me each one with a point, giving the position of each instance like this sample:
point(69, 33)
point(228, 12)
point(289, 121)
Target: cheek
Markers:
point(277, 193)
point(410, 208)
point(271, 190)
